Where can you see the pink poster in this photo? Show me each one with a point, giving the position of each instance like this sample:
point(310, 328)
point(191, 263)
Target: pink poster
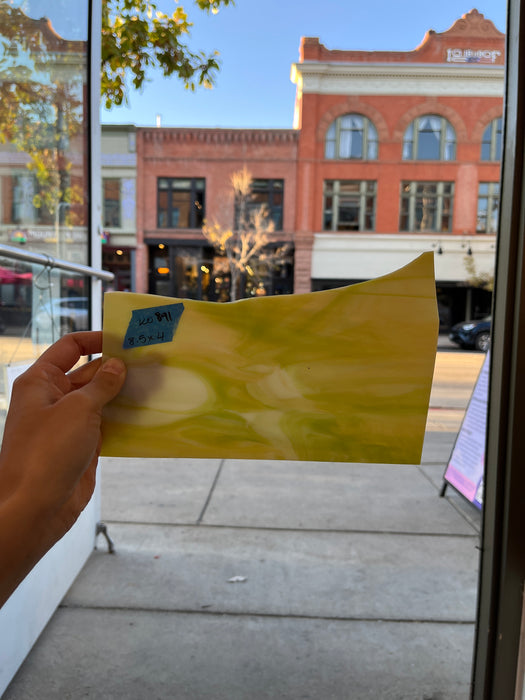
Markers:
point(466, 465)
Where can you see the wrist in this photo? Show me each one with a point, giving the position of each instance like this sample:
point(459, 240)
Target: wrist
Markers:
point(23, 540)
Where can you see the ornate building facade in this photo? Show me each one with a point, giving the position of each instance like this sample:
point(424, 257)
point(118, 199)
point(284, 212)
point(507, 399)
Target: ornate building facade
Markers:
point(391, 154)
point(399, 152)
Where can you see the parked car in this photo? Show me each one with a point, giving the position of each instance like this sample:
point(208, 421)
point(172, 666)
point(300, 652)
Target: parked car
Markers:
point(66, 314)
point(472, 334)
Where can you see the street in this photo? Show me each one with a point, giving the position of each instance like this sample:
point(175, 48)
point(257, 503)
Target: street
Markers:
point(455, 376)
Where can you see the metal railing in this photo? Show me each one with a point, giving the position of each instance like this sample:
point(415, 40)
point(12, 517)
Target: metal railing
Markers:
point(33, 318)
point(48, 261)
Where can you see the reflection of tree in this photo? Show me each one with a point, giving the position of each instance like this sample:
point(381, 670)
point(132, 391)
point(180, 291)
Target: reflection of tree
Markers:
point(41, 82)
point(482, 280)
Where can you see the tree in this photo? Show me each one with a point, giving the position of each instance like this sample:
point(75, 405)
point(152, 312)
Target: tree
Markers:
point(246, 245)
point(137, 37)
point(40, 106)
point(40, 103)
point(482, 280)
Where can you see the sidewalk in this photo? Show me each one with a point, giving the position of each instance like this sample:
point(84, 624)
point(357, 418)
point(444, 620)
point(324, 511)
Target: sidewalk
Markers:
point(237, 580)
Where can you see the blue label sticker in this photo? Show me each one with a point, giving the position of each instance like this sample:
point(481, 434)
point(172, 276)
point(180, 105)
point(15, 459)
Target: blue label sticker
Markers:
point(152, 326)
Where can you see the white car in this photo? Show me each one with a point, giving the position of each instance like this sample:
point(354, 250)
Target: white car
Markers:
point(66, 314)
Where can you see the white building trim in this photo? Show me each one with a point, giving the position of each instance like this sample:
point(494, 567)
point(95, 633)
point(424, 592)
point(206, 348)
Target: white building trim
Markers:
point(361, 256)
point(428, 79)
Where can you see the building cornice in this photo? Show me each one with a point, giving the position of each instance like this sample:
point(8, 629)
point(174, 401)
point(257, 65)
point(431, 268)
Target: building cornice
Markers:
point(218, 136)
point(398, 79)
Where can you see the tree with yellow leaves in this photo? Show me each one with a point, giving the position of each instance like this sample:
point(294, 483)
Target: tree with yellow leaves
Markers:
point(246, 243)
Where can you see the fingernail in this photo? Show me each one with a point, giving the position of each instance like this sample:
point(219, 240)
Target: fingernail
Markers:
point(114, 366)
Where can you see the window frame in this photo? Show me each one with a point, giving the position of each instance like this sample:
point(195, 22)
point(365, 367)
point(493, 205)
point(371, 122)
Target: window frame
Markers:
point(412, 141)
point(492, 196)
point(493, 138)
point(116, 204)
point(370, 139)
point(196, 210)
point(499, 648)
point(411, 196)
point(332, 188)
point(273, 187)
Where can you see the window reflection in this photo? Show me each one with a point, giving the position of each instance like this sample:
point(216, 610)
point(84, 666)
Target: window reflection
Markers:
point(43, 121)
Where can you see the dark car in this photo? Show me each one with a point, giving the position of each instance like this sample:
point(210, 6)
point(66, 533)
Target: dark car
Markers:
point(472, 334)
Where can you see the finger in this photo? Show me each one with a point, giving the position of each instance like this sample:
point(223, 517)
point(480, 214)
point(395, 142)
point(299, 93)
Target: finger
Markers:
point(67, 351)
point(106, 383)
point(84, 374)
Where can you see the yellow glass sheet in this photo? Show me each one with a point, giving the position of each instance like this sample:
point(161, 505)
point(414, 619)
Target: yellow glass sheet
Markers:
point(338, 375)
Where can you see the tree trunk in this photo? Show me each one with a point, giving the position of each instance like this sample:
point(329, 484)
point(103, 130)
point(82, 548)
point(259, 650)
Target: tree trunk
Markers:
point(234, 282)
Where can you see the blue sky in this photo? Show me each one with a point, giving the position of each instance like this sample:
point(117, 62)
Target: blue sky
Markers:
point(258, 40)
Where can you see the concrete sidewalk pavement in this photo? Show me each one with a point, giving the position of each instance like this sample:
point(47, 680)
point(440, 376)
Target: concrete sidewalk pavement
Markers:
point(240, 580)
point(247, 580)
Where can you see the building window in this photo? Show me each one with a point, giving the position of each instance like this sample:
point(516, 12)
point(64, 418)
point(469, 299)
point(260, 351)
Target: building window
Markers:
point(268, 194)
point(488, 207)
point(180, 202)
point(349, 205)
point(111, 202)
point(492, 139)
point(426, 206)
point(351, 136)
point(429, 137)
point(19, 192)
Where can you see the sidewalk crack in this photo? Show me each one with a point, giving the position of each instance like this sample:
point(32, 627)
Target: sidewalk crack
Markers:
point(210, 494)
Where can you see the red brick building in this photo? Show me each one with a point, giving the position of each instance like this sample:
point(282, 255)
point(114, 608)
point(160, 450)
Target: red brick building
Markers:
point(183, 178)
point(392, 153)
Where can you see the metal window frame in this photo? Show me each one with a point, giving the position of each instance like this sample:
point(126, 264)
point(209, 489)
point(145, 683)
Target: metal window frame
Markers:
point(269, 190)
point(414, 141)
point(365, 130)
point(192, 192)
point(497, 669)
point(492, 141)
point(363, 194)
point(412, 195)
point(492, 197)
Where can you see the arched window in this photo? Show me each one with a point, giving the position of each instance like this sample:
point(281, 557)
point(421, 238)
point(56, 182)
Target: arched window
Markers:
point(491, 142)
point(351, 136)
point(429, 137)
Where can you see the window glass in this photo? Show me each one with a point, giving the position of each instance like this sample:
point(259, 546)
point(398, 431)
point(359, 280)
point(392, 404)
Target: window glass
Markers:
point(488, 207)
point(429, 137)
point(349, 205)
point(268, 194)
point(180, 202)
point(351, 136)
point(111, 202)
point(426, 206)
point(492, 140)
point(44, 177)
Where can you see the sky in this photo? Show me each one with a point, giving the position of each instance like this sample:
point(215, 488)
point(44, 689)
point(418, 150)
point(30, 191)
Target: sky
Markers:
point(258, 40)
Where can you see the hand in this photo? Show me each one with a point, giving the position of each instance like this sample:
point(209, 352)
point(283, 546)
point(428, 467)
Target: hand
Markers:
point(51, 446)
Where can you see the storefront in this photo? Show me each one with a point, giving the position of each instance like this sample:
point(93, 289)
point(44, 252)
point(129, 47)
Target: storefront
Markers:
point(190, 270)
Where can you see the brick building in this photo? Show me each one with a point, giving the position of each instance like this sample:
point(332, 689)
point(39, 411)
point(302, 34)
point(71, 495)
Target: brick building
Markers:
point(399, 153)
point(183, 178)
point(391, 154)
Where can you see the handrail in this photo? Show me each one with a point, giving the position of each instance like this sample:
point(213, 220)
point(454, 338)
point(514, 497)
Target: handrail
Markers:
point(48, 261)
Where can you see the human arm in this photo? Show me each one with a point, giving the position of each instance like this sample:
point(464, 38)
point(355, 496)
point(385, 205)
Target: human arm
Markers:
point(50, 450)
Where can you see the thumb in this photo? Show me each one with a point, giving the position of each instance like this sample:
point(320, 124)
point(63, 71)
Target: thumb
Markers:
point(106, 383)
